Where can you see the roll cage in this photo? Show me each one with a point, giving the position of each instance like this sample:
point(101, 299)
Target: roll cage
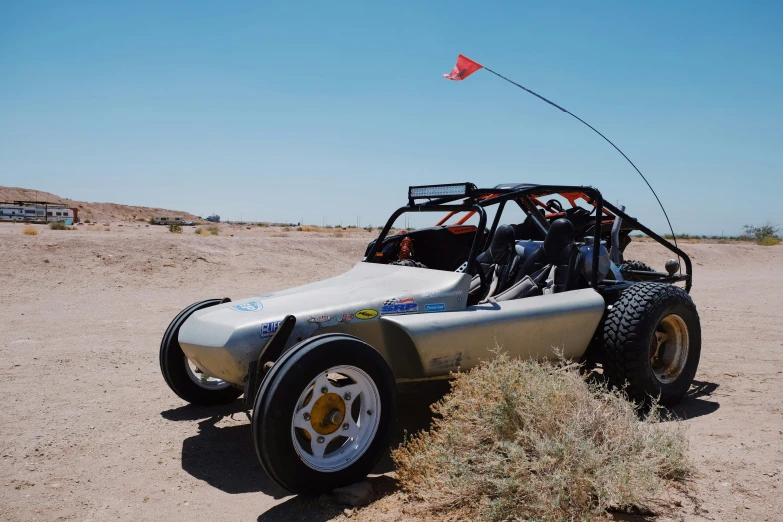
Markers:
point(466, 197)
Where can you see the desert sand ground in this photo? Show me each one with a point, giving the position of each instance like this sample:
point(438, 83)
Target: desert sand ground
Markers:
point(89, 430)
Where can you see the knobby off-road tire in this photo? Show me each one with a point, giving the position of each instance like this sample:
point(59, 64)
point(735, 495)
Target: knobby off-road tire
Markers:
point(629, 266)
point(292, 414)
point(636, 265)
point(652, 342)
point(174, 366)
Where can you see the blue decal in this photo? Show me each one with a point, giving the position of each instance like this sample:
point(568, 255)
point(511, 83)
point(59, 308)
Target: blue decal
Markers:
point(252, 306)
point(439, 307)
point(269, 329)
point(399, 306)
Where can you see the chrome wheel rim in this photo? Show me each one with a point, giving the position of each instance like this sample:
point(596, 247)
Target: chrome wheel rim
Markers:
point(202, 380)
point(336, 418)
point(669, 349)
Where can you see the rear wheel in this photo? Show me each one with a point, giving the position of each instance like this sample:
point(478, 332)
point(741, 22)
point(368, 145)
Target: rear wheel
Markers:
point(652, 342)
point(323, 416)
point(183, 377)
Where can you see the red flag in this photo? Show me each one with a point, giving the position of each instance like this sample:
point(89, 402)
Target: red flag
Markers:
point(464, 68)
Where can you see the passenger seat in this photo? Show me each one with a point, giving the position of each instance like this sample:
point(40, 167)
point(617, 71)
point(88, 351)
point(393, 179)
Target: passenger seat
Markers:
point(558, 259)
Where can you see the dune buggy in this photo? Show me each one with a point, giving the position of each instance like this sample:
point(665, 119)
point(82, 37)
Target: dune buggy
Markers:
point(319, 363)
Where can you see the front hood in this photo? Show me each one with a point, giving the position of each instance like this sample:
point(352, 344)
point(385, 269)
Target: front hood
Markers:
point(223, 339)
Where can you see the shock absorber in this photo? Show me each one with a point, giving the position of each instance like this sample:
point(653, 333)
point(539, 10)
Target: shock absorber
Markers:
point(406, 249)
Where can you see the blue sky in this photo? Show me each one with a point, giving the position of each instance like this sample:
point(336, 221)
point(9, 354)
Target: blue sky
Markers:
point(293, 110)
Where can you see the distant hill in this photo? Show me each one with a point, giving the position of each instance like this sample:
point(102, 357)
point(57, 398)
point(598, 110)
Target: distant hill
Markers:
point(90, 210)
point(10, 194)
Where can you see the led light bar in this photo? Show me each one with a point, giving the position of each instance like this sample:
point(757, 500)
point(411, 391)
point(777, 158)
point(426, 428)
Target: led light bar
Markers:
point(435, 191)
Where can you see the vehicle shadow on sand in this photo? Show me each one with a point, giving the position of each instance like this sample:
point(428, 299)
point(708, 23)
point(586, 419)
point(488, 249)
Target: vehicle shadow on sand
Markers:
point(224, 457)
point(693, 404)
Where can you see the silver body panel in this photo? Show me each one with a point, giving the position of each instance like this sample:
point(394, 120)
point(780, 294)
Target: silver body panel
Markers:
point(423, 327)
point(540, 327)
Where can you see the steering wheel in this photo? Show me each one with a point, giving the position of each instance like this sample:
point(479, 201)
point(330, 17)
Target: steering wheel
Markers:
point(554, 205)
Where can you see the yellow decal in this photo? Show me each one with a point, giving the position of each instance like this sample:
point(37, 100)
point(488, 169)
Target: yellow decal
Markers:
point(366, 314)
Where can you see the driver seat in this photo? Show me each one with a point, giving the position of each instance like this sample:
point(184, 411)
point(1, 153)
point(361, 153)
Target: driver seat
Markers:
point(499, 263)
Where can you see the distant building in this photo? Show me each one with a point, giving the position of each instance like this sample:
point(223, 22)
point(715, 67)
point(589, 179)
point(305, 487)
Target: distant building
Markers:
point(36, 212)
point(179, 220)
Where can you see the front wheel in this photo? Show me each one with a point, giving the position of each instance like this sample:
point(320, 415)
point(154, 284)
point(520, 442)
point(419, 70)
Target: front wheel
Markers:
point(323, 416)
point(652, 342)
point(182, 376)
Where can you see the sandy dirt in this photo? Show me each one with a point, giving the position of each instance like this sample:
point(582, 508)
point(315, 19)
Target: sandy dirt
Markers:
point(90, 431)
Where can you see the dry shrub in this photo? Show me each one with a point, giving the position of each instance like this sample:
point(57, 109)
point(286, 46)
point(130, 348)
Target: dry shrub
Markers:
point(764, 235)
point(30, 230)
point(286, 229)
point(308, 228)
point(213, 230)
point(521, 440)
point(338, 234)
point(58, 225)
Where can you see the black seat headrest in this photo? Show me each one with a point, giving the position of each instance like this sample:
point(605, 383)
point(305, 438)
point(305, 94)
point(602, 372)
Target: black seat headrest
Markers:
point(561, 234)
point(502, 244)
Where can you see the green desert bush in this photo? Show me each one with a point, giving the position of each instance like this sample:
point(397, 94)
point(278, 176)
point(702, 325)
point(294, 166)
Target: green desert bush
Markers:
point(521, 440)
point(175, 228)
point(58, 225)
point(769, 241)
point(766, 235)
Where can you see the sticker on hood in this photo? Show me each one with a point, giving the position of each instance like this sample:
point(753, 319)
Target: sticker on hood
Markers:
point(447, 293)
point(366, 314)
point(320, 319)
point(252, 306)
point(400, 306)
point(269, 329)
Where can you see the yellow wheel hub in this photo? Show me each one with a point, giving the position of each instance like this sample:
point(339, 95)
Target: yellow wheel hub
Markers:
point(327, 414)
